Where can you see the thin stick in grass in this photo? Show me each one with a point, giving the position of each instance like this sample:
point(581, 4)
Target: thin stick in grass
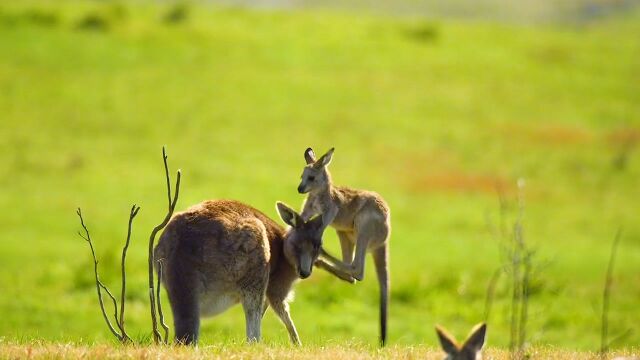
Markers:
point(99, 284)
point(132, 215)
point(159, 306)
point(604, 331)
point(157, 337)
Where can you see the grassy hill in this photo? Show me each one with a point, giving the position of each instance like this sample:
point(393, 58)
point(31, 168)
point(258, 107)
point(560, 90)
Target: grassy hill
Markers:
point(435, 116)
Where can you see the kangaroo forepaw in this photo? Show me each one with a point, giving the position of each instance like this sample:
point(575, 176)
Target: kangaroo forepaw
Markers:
point(351, 280)
point(359, 276)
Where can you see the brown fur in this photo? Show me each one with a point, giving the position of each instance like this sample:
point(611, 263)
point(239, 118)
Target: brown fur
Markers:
point(222, 252)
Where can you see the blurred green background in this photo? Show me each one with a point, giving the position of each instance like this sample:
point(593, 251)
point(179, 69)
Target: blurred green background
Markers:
point(438, 108)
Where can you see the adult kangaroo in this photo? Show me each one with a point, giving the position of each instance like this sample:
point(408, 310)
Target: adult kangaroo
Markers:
point(361, 219)
point(222, 252)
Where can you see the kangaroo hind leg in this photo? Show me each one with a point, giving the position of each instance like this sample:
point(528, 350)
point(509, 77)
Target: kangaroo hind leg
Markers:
point(252, 304)
point(186, 312)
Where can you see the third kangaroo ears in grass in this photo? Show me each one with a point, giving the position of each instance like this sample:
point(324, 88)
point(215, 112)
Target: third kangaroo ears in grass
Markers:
point(310, 158)
point(469, 349)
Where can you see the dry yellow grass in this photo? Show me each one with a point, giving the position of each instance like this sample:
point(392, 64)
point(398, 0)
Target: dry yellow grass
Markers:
point(44, 350)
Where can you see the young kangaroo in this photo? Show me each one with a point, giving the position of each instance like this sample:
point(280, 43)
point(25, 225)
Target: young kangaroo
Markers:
point(469, 350)
point(222, 252)
point(361, 219)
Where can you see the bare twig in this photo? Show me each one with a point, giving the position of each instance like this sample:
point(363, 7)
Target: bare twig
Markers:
point(522, 270)
point(99, 284)
point(115, 307)
point(515, 299)
point(520, 266)
point(516, 285)
point(604, 333)
point(524, 306)
point(122, 335)
point(172, 204)
point(132, 215)
point(160, 313)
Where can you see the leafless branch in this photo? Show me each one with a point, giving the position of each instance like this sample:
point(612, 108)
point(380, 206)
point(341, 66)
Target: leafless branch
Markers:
point(122, 335)
point(519, 269)
point(516, 288)
point(99, 284)
point(172, 204)
point(524, 306)
point(160, 313)
point(115, 307)
point(132, 215)
point(515, 300)
point(604, 332)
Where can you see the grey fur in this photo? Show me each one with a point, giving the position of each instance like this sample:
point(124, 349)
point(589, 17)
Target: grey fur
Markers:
point(362, 220)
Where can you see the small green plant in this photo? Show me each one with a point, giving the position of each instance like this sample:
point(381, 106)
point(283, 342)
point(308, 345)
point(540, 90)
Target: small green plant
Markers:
point(93, 22)
point(178, 13)
point(424, 32)
point(518, 266)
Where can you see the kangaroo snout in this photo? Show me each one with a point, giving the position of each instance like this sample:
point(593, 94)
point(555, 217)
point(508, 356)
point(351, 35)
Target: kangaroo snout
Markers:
point(301, 189)
point(304, 273)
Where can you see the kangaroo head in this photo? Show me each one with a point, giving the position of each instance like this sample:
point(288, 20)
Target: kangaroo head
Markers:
point(315, 174)
point(302, 241)
point(469, 350)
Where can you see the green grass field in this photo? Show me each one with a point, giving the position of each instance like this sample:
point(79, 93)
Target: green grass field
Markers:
point(433, 115)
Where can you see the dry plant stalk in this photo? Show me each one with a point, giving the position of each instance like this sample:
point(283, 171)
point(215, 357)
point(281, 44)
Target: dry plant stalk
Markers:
point(156, 308)
point(121, 333)
point(606, 295)
point(519, 268)
point(155, 304)
point(160, 313)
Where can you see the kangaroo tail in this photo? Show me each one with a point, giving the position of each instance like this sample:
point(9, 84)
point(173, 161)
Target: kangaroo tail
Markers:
point(381, 260)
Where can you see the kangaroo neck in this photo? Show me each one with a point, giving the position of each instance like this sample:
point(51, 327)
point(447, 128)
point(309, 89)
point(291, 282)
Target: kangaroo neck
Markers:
point(280, 268)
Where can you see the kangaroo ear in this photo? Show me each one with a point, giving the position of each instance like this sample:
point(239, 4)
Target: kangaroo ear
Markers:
point(448, 343)
point(309, 156)
point(325, 159)
point(288, 215)
point(475, 341)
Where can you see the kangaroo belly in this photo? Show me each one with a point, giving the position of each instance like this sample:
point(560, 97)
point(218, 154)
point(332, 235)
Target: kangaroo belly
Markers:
point(212, 304)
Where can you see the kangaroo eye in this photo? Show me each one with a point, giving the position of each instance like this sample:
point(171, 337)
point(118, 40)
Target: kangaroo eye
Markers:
point(311, 178)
